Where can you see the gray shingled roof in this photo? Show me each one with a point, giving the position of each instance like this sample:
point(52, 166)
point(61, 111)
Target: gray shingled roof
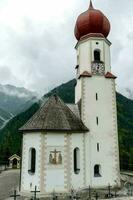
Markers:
point(54, 115)
point(74, 108)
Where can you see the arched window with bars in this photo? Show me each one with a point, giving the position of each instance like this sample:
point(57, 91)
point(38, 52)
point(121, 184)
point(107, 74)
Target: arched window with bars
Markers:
point(76, 160)
point(32, 160)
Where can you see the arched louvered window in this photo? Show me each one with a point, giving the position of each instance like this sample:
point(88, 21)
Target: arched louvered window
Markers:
point(32, 160)
point(76, 160)
point(97, 170)
point(97, 55)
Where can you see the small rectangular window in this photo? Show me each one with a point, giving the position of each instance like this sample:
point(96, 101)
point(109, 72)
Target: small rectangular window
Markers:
point(97, 121)
point(97, 171)
point(98, 147)
point(96, 96)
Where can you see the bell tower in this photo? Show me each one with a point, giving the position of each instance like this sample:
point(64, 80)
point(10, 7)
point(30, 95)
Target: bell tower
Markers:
point(95, 90)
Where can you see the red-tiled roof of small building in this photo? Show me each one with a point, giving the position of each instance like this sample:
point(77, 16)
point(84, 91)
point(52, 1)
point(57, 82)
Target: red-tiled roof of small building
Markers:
point(110, 75)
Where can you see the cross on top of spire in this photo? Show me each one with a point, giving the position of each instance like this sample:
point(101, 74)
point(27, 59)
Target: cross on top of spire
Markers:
point(91, 5)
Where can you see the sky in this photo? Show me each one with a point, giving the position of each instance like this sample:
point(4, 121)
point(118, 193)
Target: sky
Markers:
point(37, 41)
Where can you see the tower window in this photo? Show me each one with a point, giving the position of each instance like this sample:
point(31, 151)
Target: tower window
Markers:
point(76, 160)
point(97, 170)
point(98, 147)
point(96, 96)
point(77, 59)
point(32, 160)
point(77, 71)
point(97, 55)
point(97, 120)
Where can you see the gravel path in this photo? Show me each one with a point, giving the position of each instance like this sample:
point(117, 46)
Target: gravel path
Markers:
point(9, 180)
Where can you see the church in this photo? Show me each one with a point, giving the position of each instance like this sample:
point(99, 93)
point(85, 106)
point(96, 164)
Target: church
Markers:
point(75, 146)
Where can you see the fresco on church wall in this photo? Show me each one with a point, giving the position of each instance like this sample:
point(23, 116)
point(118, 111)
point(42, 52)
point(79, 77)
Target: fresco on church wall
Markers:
point(55, 156)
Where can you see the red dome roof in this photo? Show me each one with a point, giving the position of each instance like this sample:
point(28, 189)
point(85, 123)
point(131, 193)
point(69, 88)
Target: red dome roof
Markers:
point(92, 21)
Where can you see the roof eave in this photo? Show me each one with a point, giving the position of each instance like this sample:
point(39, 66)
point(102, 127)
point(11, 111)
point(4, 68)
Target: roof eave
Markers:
point(53, 130)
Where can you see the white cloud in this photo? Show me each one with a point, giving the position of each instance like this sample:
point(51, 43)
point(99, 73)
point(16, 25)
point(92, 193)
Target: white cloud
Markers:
point(37, 41)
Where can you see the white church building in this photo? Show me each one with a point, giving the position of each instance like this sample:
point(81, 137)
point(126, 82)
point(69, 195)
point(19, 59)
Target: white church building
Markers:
point(69, 146)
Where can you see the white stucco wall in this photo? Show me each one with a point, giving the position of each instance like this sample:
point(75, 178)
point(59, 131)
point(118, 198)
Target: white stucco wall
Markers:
point(62, 178)
point(29, 181)
point(54, 175)
point(49, 177)
point(78, 180)
point(78, 90)
point(105, 133)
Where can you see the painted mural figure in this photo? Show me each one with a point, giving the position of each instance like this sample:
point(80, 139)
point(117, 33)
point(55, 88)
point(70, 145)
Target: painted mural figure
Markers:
point(60, 158)
point(50, 158)
point(55, 157)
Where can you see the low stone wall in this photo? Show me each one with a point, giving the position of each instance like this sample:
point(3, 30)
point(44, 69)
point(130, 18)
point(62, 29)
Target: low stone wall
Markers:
point(2, 167)
point(121, 198)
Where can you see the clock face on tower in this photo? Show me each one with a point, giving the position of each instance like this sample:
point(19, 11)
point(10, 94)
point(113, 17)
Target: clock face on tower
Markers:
point(98, 68)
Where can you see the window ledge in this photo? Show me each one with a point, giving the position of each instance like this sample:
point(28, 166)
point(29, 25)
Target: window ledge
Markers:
point(30, 172)
point(77, 171)
point(97, 175)
point(98, 61)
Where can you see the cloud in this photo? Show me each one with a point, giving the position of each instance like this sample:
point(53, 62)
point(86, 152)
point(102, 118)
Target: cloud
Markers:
point(6, 74)
point(17, 92)
point(37, 42)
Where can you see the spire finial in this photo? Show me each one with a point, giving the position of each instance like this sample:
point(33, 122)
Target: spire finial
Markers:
point(91, 5)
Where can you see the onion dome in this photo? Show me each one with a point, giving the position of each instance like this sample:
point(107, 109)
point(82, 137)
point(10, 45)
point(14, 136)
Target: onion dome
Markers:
point(92, 22)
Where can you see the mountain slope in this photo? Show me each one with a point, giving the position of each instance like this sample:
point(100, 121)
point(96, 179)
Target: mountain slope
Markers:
point(4, 117)
point(125, 127)
point(11, 139)
point(13, 100)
